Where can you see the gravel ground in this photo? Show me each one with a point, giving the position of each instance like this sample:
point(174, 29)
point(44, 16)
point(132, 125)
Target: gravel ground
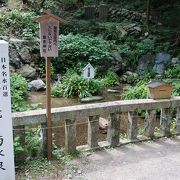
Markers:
point(152, 160)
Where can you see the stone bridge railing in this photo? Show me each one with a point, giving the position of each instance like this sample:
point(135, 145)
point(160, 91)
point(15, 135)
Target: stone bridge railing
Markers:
point(92, 112)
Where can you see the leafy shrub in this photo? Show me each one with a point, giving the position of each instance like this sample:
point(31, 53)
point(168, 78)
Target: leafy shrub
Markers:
point(57, 90)
point(76, 85)
point(29, 147)
point(176, 88)
point(79, 48)
point(19, 24)
point(19, 92)
point(173, 71)
point(131, 50)
point(137, 92)
point(145, 46)
point(111, 79)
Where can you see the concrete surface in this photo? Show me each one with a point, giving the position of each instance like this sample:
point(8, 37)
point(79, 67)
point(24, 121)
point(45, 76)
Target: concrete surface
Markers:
point(153, 160)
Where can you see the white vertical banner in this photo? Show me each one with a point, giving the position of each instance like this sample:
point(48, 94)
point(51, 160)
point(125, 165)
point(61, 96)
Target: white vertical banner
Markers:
point(49, 34)
point(7, 169)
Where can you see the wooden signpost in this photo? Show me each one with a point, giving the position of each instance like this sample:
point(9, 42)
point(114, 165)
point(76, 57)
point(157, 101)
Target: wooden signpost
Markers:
point(49, 38)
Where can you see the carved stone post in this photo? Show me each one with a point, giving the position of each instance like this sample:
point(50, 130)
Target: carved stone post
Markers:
point(165, 121)
point(132, 125)
point(113, 129)
point(70, 136)
point(178, 120)
point(103, 12)
point(150, 123)
point(93, 127)
point(89, 12)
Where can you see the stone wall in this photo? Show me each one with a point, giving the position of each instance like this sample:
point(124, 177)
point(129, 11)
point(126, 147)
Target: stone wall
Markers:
point(23, 57)
point(117, 13)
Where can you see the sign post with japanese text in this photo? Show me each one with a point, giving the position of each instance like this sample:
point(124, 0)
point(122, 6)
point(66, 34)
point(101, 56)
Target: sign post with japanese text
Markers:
point(7, 170)
point(49, 34)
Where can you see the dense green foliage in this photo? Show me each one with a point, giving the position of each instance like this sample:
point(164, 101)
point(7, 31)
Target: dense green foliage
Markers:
point(79, 48)
point(139, 91)
point(110, 79)
point(135, 92)
point(172, 72)
point(176, 88)
point(19, 92)
point(74, 85)
point(30, 148)
point(19, 24)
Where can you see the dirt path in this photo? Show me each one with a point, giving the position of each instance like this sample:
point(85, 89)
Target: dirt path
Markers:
point(159, 160)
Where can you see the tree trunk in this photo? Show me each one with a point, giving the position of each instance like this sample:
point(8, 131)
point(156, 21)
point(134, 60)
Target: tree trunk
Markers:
point(148, 10)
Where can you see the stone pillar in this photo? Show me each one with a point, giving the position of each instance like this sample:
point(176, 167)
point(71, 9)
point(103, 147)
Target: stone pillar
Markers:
point(132, 125)
point(103, 12)
point(93, 127)
point(165, 121)
point(70, 136)
point(113, 129)
point(150, 120)
point(178, 120)
point(89, 12)
point(44, 139)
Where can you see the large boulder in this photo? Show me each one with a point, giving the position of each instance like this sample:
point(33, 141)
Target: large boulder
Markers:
point(162, 58)
point(36, 85)
point(14, 58)
point(25, 55)
point(27, 71)
point(159, 69)
point(117, 62)
point(145, 63)
point(161, 61)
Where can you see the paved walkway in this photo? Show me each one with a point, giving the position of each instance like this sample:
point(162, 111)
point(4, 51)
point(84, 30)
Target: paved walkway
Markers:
point(159, 160)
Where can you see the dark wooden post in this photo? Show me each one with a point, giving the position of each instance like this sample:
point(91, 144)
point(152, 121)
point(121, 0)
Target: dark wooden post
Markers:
point(148, 11)
point(48, 108)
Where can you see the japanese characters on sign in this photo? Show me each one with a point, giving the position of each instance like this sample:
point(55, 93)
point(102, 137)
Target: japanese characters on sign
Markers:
point(7, 170)
point(88, 72)
point(49, 33)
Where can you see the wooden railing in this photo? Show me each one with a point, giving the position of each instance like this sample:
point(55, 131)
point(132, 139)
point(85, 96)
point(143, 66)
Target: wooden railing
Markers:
point(92, 112)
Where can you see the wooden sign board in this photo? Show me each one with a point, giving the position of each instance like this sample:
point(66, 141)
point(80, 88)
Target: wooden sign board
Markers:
point(7, 170)
point(49, 34)
point(88, 72)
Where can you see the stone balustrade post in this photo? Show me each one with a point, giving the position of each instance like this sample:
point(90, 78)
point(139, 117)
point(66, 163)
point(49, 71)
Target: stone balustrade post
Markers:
point(93, 127)
point(132, 125)
point(165, 121)
point(178, 120)
point(44, 139)
point(113, 135)
point(150, 120)
point(70, 136)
